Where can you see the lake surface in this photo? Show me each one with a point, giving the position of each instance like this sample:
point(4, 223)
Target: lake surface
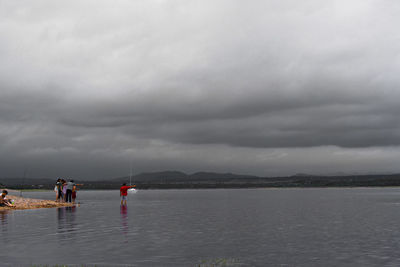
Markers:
point(241, 227)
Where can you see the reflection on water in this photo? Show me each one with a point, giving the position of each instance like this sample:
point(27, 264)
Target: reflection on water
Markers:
point(124, 222)
point(265, 227)
point(3, 216)
point(66, 222)
point(3, 223)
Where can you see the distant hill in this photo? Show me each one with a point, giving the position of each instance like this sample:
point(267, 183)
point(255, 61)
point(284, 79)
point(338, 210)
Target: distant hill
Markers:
point(213, 175)
point(176, 176)
point(303, 175)
point(155, 176)
point(177, 179)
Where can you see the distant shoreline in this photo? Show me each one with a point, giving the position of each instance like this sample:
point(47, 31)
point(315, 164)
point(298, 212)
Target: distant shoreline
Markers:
point(179, 180)
point(237, 187)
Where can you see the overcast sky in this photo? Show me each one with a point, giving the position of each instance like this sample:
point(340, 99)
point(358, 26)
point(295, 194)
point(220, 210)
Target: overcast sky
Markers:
point(88, 88)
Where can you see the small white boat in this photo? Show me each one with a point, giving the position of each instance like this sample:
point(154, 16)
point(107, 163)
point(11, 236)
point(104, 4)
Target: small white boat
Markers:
point(131, 190)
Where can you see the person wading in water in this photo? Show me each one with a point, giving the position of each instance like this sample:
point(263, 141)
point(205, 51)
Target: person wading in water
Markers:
point(123, 192)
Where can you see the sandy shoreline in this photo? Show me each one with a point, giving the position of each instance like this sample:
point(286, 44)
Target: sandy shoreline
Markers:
point(22, 203)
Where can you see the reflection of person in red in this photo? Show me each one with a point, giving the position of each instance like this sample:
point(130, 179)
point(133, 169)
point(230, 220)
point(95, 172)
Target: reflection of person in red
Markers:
point(123, 193)
point(124, 220)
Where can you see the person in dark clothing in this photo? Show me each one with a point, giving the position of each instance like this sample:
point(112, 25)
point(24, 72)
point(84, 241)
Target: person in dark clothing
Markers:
point(70, 186)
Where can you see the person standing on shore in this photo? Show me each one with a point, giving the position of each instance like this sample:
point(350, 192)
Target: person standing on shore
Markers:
point(59, 192)
point(64, 190)
point(123, 193)
point(74, 189)
point(70, 186)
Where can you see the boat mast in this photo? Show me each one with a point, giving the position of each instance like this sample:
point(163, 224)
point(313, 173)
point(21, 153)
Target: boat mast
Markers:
point(130, 176)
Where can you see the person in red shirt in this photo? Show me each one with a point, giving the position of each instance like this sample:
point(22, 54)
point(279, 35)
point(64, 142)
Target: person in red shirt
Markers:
point(123, 193)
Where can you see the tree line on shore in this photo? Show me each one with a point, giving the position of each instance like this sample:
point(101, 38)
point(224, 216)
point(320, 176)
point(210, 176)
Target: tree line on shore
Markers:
point(172, 179)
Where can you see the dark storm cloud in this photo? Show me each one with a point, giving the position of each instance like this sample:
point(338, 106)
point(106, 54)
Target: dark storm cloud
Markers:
point(86, 87)
point(282, 121)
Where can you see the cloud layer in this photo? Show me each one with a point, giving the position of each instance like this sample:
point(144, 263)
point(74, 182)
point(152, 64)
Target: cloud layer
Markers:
point(266, 88)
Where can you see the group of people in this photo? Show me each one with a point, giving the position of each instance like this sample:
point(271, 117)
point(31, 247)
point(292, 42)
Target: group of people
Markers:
point(4, 202)
point(66, 191)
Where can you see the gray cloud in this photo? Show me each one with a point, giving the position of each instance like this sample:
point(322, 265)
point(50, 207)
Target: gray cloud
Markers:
point(86, 88)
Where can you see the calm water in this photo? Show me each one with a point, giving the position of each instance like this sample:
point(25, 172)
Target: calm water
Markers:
point(257, 227)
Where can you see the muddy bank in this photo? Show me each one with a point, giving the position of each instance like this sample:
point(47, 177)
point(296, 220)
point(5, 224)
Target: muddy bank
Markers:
point(22, 203)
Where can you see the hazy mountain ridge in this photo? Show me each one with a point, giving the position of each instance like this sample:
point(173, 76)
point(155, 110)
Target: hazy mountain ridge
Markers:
point(180, 176)
point(177, 179)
